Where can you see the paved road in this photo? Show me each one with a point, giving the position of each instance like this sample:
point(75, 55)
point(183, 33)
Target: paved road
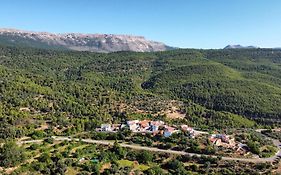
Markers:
point(276, 142)
point(138, 147)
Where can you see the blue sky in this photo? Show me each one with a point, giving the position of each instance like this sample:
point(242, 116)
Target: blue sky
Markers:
point(181, 23)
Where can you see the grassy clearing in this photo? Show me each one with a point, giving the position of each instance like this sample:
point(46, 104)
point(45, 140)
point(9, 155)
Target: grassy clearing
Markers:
point(71, 171)
point(135, 165)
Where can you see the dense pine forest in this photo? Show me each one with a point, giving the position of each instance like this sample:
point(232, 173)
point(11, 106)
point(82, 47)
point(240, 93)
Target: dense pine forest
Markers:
point(49, 93)
point(230, 88)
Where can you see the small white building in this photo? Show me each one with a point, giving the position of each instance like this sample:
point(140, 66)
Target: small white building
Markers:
point(133, 125)
point(106, 127)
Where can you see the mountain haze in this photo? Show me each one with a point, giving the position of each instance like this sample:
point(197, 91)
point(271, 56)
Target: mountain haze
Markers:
point(238, 46)
point(80, 42)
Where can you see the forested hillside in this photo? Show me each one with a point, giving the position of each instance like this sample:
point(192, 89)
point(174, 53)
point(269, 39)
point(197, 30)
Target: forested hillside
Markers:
point(79, 90)
point(245, 82)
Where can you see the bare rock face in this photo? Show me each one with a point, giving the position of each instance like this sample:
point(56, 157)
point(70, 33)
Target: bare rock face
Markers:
point(80, 42)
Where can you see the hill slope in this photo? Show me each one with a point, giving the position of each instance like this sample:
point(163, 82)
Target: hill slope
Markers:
point(214, 88)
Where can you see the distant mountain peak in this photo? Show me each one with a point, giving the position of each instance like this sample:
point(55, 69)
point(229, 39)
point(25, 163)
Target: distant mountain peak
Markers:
point(238, 46)
point(80, 42)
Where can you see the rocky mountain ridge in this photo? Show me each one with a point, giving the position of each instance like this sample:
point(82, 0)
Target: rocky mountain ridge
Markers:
point(80, 42)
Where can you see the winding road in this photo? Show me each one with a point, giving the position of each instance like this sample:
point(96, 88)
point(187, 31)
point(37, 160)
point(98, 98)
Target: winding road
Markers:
point(139, 147)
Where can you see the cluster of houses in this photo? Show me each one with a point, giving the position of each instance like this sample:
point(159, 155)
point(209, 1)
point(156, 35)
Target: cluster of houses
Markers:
point(147, 126)
point(222, 140)
point(227, 141)
point(159, 127)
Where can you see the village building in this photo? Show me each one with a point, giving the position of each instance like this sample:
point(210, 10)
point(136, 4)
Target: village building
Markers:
point(242, 148)
point(222, 140)
point(115, 127)
point(154, 125)
point(106, 127)
point(186, 128)
point(133, 125)
point(168, 131)
point(144, 125)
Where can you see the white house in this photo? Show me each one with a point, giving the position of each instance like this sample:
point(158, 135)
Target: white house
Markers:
point(133, 125)
point(106, 127)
